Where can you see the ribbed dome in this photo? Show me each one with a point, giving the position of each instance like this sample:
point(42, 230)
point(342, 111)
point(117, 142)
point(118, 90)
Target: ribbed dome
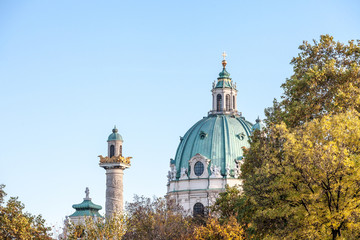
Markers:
point(219, 138)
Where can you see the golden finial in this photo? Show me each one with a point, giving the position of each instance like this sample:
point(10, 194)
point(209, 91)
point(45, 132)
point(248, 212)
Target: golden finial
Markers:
point(224, 61)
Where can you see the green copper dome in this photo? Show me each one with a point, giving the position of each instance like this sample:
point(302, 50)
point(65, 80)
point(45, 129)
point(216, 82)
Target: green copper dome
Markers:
point(115, 135)
point(219, 138)
point(224, 74)
point(224, 80)
point(258, 125)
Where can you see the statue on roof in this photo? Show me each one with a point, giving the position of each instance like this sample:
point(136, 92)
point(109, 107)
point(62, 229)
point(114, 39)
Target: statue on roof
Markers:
point(87, 192)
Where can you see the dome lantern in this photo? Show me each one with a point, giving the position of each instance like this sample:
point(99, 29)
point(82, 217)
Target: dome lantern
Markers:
point(224, 93)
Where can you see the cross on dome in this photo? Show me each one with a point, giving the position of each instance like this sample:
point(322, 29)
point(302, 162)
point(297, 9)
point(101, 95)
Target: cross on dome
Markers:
point(224, 55)
point(224, 61)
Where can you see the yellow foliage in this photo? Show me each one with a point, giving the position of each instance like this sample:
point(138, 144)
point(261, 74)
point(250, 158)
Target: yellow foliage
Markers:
point(213, 230)
point(307, 179)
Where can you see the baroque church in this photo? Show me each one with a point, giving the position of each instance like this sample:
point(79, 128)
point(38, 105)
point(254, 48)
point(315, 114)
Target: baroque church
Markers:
point(210, 153)
point(207, 159)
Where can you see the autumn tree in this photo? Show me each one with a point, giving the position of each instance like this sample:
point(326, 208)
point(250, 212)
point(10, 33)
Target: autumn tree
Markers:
point(216, 230)
point(301, 175)
point(156, 219)
point(15, 224)
point(96, 229)
point(326, 79)
point(232, 203)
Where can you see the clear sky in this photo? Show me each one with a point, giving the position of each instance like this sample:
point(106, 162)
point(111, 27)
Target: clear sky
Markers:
point(70, 70)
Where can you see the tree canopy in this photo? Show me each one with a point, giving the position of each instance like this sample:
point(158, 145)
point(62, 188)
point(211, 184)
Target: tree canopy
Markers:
point(15, 224)
point(301, 174)
point(326, 79)
point(156, 219)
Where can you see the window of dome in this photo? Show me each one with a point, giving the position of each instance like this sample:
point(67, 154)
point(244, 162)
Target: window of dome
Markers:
point(203, 135)
point(198, 168)
point(198, 209)
point(241, 136)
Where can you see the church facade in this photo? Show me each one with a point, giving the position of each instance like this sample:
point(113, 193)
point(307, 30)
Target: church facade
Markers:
point(210, 153)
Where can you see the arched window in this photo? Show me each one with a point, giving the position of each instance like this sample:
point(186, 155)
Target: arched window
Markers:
point(198, 209)
point(112, 150)
point(234, 102)
point(228, 102)
point(218, 103)
point(120, 150)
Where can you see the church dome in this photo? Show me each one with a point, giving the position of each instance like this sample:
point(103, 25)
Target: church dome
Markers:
point(115, 136)
point(219, 138)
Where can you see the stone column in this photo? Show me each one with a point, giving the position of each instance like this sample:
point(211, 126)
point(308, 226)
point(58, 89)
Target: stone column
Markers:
point(114, 191)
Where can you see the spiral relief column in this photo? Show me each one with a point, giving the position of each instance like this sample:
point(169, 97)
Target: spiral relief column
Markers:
point(114, 164)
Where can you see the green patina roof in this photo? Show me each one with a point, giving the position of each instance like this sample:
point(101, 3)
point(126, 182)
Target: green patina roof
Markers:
point(86, 208)
point(115, 135)
point(224, 74)
point(226, 83)
point(219, 138)
point(258, 125)
point(224, 80)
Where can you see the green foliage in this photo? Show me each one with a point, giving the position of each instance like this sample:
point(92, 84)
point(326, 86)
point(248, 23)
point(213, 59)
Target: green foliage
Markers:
point(301, 175)
point(326, 79)
point(232, 203)
point(15, 224)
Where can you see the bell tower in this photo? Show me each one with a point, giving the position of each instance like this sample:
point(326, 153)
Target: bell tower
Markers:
point(114, 165)
point(224, 93)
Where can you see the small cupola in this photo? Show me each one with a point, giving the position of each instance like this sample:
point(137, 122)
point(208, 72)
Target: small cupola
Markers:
point(224, 92)
point(115, 136)
point(258, 125)
point(115, 142)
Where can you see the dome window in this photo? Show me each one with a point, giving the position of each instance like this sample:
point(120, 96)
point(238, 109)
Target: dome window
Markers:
point(199, 209)
point(198, 168)
point(240, 136)
point(203, 135)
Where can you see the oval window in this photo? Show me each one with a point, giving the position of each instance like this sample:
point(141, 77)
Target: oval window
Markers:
point(198, 168)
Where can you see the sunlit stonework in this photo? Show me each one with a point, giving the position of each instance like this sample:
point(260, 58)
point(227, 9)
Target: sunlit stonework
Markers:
point(114, 164)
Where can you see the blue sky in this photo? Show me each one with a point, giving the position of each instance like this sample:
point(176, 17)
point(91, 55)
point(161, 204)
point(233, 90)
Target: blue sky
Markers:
point(70, 70)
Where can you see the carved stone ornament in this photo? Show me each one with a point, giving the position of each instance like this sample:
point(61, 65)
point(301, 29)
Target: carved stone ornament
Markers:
point(173, 172)
point(215, 172)
point(114, 159)
point(227, 171)
point(183, 174)
point(169, 176)
point(236, 171)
